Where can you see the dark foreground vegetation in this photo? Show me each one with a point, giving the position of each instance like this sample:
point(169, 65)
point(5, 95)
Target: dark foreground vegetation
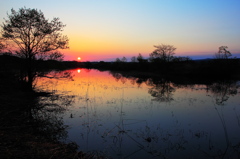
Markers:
point(20, 135)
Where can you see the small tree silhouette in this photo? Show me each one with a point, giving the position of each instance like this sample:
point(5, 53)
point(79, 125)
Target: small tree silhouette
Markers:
point(223, 53)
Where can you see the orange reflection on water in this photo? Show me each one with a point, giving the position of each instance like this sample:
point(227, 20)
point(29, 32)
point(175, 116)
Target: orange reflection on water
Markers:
point(94, 84)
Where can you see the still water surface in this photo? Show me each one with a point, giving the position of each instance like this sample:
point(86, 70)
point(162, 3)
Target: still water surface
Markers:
point(123, 117)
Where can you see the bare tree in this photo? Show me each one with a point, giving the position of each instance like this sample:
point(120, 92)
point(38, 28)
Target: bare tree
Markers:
point(223, 53)
point(162, 53)
point(34, 36)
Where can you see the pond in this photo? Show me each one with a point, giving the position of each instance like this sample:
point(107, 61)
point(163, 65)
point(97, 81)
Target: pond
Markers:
point(119, 116)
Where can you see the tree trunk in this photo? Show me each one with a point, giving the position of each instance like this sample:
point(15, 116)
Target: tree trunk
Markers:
point(30, 75)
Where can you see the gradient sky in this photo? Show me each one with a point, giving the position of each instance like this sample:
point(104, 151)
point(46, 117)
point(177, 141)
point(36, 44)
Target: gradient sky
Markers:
point(106, 29)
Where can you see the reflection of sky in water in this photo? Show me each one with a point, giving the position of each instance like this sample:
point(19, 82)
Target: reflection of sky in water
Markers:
point(120, 117)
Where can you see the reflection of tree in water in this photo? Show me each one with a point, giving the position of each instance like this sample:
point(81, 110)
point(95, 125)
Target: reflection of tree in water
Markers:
point(46, 116)
point(162, 90)
point(46, 111)
point(223, 89)
point(133, 80)
point(117, 76)
point(67, 75)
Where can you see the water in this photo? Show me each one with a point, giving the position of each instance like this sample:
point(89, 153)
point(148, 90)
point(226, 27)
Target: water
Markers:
point(119, 117)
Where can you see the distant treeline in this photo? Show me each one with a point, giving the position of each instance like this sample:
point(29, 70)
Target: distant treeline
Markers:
point(207, 67)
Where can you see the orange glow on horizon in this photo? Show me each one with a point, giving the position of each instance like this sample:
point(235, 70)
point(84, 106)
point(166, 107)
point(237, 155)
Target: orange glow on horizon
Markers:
point(109, 50)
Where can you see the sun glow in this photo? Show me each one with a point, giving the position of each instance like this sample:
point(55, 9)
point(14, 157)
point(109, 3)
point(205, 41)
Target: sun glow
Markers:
point(79, 58)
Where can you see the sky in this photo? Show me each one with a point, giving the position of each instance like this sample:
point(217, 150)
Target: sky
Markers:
point(102, 30)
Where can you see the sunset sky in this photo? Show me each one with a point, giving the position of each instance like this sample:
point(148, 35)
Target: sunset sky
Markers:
point(107, 29)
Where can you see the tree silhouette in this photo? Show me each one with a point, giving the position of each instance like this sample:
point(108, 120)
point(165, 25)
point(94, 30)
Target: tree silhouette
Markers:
point(34, 36)
point(162, 53)
point(223, 53)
